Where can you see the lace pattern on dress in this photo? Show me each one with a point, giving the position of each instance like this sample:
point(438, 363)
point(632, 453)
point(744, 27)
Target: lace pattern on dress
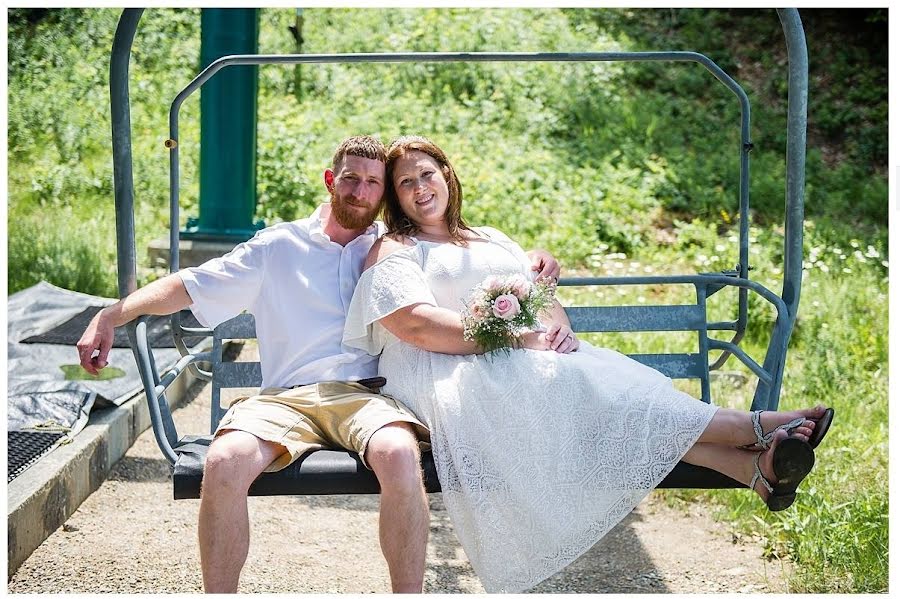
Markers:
point(394, 282)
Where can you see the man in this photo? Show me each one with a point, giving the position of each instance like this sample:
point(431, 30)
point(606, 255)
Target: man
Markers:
point(297, 279)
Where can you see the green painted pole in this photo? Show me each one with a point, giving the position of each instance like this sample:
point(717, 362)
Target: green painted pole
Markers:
point(227, 129)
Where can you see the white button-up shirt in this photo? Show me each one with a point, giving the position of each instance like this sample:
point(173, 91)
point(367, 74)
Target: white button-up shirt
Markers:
point(298, 284)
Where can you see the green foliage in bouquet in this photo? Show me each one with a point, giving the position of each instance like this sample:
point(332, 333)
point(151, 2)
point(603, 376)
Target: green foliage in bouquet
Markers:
point(500, 309)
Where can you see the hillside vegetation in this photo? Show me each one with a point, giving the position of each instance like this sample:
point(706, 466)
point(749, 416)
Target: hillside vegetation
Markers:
point(620, 168)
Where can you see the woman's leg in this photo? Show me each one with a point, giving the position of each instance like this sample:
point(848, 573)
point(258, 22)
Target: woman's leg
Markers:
point(736, 463)
point(734, 427)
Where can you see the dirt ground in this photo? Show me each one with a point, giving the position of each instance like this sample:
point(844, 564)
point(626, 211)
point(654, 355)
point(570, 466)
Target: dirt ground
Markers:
point(130, 536)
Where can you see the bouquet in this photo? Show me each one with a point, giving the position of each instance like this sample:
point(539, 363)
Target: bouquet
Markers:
point(501, 308)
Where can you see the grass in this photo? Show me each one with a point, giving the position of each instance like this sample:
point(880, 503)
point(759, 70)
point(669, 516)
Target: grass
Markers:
point(836, 534)
point(64, 247)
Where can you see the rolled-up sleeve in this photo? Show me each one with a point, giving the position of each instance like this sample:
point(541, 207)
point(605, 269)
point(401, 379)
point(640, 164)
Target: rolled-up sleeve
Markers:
point(224, 287)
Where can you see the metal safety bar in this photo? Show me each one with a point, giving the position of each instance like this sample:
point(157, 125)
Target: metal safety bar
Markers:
point(770, 373)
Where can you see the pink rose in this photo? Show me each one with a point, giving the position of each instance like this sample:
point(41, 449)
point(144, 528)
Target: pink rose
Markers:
point(520, 288)
point(506, 306)
point(477, 311)
point(491, 283)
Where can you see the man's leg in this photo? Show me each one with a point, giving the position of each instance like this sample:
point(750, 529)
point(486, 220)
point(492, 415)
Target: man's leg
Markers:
point(393, 453)
point(234, 461)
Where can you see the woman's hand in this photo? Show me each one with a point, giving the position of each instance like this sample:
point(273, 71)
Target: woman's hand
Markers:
point(558, 338)
point(562, 338)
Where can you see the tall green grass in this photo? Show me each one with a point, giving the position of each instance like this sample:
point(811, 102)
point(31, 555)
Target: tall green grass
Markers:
point(64, 249)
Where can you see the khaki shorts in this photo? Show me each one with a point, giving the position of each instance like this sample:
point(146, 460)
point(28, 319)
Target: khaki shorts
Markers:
point(328, 414)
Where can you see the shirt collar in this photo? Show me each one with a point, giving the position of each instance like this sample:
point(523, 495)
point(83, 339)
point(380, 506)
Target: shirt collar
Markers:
point(317, 224)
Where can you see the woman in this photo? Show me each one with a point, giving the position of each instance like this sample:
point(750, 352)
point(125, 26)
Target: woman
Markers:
point(539, 451)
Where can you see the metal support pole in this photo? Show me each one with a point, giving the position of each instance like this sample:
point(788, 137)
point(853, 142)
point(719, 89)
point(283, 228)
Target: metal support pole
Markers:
point(798, 91)
point(123, 181)
point(297, 31)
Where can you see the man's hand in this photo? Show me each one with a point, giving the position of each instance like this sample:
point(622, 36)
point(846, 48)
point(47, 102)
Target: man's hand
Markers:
point(544, 264)
point(98, 336)
point(163, 296)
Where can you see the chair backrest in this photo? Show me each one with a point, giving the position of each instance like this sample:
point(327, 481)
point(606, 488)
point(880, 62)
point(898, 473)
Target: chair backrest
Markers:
point(584, 319)
point(660, 318)
point(230, 375)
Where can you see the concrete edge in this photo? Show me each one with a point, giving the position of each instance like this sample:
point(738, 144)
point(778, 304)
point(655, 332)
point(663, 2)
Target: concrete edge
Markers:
point(43, 497)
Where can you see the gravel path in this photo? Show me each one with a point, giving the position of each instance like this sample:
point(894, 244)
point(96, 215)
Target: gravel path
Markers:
point(130, 536)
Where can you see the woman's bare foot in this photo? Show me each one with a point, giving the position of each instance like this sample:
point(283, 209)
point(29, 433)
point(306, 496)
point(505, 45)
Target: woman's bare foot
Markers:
point(766, 466)
point(771, 420)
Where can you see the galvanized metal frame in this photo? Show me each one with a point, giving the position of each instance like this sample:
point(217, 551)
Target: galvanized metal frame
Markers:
point(594, 318)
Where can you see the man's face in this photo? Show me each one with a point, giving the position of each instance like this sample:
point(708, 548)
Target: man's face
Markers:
point(356, 189)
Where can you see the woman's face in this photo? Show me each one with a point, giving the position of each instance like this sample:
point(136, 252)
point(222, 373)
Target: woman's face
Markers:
point(421, 188)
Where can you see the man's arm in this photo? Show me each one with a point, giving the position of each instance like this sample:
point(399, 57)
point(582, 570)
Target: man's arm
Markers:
point(544, 264)
point(163, 296)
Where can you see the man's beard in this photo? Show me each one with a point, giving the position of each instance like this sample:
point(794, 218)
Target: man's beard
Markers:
point(348, 217)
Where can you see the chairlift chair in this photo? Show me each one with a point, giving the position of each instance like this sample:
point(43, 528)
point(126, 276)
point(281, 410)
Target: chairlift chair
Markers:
point(328, 471)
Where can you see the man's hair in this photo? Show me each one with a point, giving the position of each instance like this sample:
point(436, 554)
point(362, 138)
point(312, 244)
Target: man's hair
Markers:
point(363, 146)
point(394, 218)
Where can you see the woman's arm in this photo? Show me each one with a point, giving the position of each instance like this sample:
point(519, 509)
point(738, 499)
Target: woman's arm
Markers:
point(430, 328)
point(440, 330)
point(423, 325)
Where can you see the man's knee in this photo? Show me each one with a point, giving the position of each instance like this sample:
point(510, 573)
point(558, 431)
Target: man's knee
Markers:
point(393, 453)
point(235, 459)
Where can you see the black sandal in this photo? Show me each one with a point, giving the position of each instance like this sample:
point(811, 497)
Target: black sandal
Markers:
point(822, 426)
point(793, 460)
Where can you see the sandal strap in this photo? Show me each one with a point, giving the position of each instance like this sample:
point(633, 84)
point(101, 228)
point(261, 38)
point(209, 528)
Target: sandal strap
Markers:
point(764, 440)
point(758, 476)
point(761, 439)
point(790, 427)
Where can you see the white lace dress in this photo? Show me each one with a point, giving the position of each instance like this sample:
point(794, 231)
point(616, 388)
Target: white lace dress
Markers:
point(539, 454)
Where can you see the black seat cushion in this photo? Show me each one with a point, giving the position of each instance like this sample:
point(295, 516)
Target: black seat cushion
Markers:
point(322, 472)
point(338, 472)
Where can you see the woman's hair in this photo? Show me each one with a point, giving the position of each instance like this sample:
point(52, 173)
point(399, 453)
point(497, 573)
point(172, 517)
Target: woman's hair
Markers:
point(394, 219)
